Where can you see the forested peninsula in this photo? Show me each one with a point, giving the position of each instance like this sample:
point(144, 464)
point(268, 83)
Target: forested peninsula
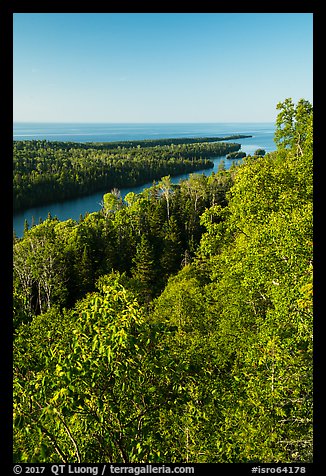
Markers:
point(46, 172)
point(174, 326)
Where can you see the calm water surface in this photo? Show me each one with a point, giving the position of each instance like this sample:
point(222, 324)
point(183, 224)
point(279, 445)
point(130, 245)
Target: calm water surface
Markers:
point(262, 137)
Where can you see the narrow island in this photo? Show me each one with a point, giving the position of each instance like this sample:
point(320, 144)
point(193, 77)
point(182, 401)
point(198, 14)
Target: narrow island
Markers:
point(50, 171)
point(236, 155)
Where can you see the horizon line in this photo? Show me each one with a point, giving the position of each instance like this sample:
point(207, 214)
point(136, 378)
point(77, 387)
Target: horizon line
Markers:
point(165, 122)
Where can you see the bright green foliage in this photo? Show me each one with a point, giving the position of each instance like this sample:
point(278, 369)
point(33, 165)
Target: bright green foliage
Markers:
point(262, 284)
point(294, 126)
point(39, 267)
point(111, 202)
point(99, 381)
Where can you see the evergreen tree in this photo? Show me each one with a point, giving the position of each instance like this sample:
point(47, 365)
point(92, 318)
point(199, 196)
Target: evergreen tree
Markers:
point(171, 254)
point(144, 270)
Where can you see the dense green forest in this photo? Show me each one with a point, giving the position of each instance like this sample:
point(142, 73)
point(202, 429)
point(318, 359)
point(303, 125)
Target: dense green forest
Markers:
point(47, 171)
point(174, 325)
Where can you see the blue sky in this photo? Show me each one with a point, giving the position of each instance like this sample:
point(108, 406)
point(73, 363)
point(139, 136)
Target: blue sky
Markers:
point(160, 67)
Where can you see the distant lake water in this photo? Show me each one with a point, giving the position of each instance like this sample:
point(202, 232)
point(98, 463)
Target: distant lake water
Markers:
point(262, 137)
